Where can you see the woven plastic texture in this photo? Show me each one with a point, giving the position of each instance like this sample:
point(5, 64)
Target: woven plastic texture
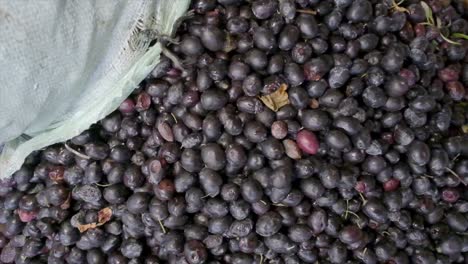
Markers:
point(67, 64)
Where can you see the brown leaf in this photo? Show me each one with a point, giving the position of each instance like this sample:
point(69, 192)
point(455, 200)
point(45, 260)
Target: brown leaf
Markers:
point(397, 8)
point(229, 44)
point(277, 99)
point(84, 228)
point(66, 204)
point(104, 215)
point(465, 129)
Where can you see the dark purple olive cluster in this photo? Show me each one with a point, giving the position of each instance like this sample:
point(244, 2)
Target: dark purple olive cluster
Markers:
point(365, 162)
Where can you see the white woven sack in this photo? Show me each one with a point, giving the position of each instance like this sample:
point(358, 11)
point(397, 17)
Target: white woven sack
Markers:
point(66, 64)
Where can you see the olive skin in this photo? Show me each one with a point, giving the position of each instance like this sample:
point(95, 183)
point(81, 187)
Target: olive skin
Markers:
point(315, 120)
point(212, 38)
point(307, 25)
point(263, 9)
point(213, 99)
point(191, 46)
point(213, 156)
point(419, 153)
point(288, 37)
point(270, 131)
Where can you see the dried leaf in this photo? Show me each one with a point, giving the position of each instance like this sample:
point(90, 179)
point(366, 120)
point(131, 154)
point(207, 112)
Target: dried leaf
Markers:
point(104, 215)
point(465, 129)
point(428, 12)
point(460, 35)
point(401, 9)
point(396, 7)
point(84, 228)
point(438, 22)
point(66, 204)
point(229, 44)
point(268, 102)
point(277, 99)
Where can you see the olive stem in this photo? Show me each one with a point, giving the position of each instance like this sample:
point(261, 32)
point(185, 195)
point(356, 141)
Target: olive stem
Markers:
point(347, 206)
point(175, 118)
point(103, 185)
point(203, 197)
point(170, 55)
point(356, 215)
point(428, 176)
point(364, 201)
point(162, 226)
point(279, 205)
point(77, 153)
point(385, 233)
point(456, 175)
point(307, 11)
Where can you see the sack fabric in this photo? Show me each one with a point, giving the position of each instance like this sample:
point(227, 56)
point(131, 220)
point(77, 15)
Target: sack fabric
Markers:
point(67, 64)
